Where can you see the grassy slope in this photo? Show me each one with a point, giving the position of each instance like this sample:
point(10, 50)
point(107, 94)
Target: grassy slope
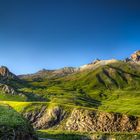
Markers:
point(114, 87)
point(12, 123)
point(56, 132)
point(9, 117)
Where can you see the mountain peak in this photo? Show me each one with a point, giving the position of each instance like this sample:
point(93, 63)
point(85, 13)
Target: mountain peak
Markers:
point(136, 56)
point(4, 71)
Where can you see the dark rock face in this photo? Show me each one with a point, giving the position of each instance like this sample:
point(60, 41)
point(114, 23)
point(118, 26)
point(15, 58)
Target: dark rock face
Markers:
point(50, 119)
point(43, 119)
point(35, 115)
point(7, 81)
point(4, 72)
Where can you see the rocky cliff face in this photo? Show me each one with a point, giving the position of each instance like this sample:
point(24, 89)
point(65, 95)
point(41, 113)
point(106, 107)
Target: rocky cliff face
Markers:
point(7, 89)
point(95, 121)
point(136, 56)
point(5, 73)
point(5, 79)
point(83, 120)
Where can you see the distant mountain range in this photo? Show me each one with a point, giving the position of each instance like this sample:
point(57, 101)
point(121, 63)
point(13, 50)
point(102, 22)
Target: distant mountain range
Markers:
point(134, 58)
point(8, 79)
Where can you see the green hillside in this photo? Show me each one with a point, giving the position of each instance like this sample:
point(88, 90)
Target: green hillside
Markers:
point(107, 87)
point(13, 126)
point(109, 90)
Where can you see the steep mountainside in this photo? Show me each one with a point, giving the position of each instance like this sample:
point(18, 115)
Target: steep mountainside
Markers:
point(10, 86)
point(90, 87)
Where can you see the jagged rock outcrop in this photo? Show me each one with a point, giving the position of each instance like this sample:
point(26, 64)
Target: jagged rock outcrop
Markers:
point(136, 56)
point(5, 73)
point(8, 81)
point(7, 89)
point(95, 121)
point(33, 116)
point(45, 118)
point(84, 120)
point(50, 119)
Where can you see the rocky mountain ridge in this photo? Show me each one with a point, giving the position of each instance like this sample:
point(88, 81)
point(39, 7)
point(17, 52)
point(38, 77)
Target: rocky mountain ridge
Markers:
point(5, 73)
point(83, 120)
point(5, 78)
point(134, 58)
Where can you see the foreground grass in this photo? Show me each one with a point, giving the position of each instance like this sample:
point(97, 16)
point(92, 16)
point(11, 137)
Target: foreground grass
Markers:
point(70, 135)
point(10, 118)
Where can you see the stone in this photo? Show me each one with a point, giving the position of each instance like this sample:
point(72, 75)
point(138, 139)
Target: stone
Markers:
point(136, 56)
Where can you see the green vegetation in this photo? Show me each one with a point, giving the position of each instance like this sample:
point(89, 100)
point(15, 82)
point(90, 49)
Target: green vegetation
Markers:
point(12, 124)
point(113, 87)
point(9, 117)
point(110, 88)
point(70, 135)
point(7, 97)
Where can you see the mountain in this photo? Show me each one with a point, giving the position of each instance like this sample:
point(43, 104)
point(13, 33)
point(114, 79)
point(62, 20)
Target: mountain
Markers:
point(7, 80)
point(6, 75)
point(90, 85)
point(66, 70)
point(136, 56)
point(102, 96)
point(50, 73)
point(44, 73)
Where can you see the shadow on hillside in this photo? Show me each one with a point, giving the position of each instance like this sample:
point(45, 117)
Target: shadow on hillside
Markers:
point(62, 136)
point(96, 136)
point(13, 126)
point(119, 69)
point(89, 102)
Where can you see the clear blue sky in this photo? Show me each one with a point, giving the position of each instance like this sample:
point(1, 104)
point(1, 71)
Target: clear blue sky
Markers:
point(36, 34)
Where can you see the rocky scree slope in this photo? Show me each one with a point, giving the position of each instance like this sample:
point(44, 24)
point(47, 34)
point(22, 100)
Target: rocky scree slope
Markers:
point(79, 119)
